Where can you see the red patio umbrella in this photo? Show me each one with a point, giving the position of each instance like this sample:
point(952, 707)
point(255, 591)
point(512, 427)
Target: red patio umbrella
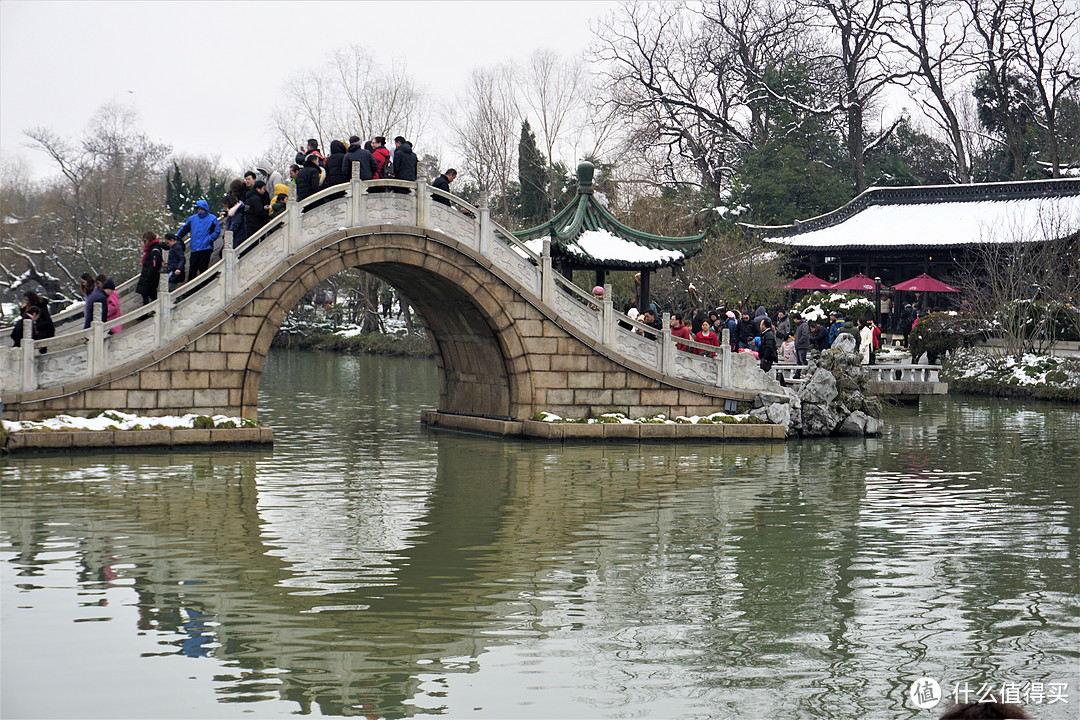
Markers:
point(855, 282)
point(809, 281)
point(924, 283)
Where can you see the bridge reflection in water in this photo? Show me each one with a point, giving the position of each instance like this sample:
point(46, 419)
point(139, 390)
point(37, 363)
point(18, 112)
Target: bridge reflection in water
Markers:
point(372, 572)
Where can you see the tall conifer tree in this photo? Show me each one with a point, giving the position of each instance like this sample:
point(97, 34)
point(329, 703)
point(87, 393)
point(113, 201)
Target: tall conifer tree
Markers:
point(533, 178)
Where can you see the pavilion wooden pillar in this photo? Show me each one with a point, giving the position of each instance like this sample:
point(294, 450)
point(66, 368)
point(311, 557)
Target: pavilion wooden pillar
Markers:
point(643, 299)
point(600, 277)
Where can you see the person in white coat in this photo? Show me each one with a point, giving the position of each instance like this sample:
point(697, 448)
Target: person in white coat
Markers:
point(866, 341)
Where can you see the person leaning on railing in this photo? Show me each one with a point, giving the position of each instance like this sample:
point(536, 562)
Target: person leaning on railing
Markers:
point(36, 309)
point(281, 197)
point(443, 183)
point(175, 262)
point(679, 330)
point(95, 296)
point(706, 336)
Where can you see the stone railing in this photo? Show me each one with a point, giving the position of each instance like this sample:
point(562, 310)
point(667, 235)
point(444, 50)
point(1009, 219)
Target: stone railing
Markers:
point(76, 354)
point(888, 372)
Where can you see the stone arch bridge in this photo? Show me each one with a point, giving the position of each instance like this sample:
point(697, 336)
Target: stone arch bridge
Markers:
point(510, 336)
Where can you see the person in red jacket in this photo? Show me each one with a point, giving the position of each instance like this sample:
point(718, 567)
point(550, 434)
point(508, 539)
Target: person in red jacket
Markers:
point(381, 155)
point(679, 330)
point(706, 337)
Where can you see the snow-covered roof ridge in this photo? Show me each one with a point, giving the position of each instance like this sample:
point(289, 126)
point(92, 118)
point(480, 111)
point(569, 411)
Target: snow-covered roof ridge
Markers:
point(935, 215)
point(920, 194)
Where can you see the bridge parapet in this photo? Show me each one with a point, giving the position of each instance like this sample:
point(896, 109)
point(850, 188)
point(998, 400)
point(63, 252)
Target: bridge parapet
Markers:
point(75, 355)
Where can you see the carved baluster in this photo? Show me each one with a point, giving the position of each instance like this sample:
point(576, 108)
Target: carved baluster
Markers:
point(724, 366)
point(547, 279)
point(356, 199)
point(607, 314)
point(29, 371)
point(96, 356)
point(667, 346)
point(292, 223)
point(423, 204)
point(486, 235)
point(228, 254)
point(164, 313)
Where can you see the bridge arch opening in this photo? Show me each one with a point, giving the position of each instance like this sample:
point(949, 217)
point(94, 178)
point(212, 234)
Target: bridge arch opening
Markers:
point(464, 309)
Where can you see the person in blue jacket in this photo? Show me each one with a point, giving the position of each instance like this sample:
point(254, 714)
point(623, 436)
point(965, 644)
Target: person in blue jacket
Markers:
point(204, 229)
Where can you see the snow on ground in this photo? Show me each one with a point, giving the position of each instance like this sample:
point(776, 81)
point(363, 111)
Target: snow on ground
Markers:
point(393, 325)
point(654, 420)
point(117, 420)
point(1030, 371)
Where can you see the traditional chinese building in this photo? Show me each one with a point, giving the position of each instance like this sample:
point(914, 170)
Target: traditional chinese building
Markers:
point(586, 236)
point(896, 233)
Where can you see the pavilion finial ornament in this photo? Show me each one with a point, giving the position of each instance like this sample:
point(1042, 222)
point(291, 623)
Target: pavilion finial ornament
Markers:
point(585, 170)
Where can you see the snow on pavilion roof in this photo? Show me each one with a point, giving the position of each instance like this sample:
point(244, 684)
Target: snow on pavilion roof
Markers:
point(599, 247)
point(942, 215)
point(586, 235)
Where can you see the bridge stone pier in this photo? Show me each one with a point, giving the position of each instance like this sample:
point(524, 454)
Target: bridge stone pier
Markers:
point(510, 336)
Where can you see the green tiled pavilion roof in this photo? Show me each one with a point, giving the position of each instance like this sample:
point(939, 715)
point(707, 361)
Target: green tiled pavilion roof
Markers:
point(587, 236)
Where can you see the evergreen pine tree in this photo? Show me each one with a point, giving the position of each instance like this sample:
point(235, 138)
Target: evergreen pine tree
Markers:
point(176, 195)
point(533, 178)
point(215, 193)
point(195, 193)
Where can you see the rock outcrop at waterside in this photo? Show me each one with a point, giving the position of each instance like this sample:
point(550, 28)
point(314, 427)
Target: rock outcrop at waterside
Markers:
point(832, 401)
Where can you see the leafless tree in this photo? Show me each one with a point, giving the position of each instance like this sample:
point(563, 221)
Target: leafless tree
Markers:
point(552, 88)
point(110, 190)
point(857, 39)
point(1049, 51)
point(932, 35)
point(677, 86)
point(484, 125)
point(380, 100)
point(1021, 274)
point(733, 266)
point(350, 94)
point(994, 51)
point(758, 35)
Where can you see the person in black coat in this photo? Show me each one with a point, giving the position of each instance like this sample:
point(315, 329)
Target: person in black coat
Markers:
point(147, 286)
point(335, 171)
point(802, 342)
point(767, 353)
point(404, 160)
point(257, 207)
point(307, 180)
point(745, 331)
point(443, 183)
point(175, 262)
point(361, 154)
point(36, 309)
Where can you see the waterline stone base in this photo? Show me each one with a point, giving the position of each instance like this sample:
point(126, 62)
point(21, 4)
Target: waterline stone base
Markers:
point(66, 440)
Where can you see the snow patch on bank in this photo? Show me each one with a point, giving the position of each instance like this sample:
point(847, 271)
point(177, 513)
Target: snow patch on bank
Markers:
point(620, 418)
point(117, 420)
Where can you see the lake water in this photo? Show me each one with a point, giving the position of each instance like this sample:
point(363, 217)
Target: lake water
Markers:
point(367, 566)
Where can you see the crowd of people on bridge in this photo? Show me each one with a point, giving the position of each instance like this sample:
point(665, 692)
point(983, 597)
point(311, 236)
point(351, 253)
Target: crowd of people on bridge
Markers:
point(790, 338)
point(252, 202)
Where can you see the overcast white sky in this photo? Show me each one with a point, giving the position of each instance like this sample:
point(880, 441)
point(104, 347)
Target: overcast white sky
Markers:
point(198, 72)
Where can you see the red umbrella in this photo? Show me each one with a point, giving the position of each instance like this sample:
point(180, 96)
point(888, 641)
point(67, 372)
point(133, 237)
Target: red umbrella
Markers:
point(855, 282)
point(924, 283)
point(809, 281)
